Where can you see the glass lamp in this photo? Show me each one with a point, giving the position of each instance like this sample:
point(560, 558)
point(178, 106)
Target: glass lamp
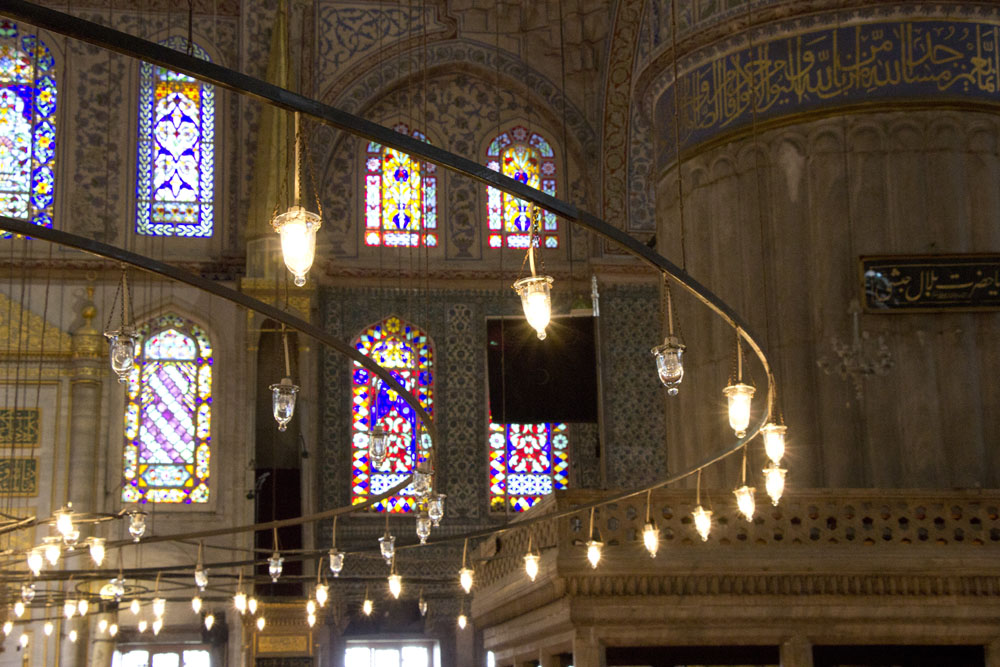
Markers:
point(52, 548)
point(36, 559)
point(702, 522)
point(387, 544)
point(311, 619)
point(8, 627)
point(82, 606)
point(297, 228)
point(143, 625)
point(275, 566)
point(102, 625)
point(69, 608)
point(159, 607)
point(395, 585)
point(27, 593)
point(209, 621)
point(118, 588)
point(72, 636)
point(465, 576)
point(123, 344)
point(463, 621)
point(97, 550)
point(196, 604)
point(47, 628)
point(594, 552)
point(336, 562)
point(261, 623)
point(536, 300)
point(322, 594)
point(422, 479)
point(367, 606)
point(745, 502)
point(157, 625)
point(531, 565)
point(423, 527)
point(135, 606)
point(774, 441)
point(18, 609)
point(651, 538)
point(739, 396)
point(669, 366)
point(435, 509)
point(23, 640)
point(240, 602)
point(422, 605)
point(774, 481)
point(201, 577)
point(113, 629)
point(283, 397)
point(137, 524)
point(311, 607)
point(378, 446)
point(252, 605)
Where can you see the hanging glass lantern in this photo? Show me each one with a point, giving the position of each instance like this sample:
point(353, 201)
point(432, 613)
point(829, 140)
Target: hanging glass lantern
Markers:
point(422, 605)
point(143, 625)
point(196, 604)
point(536, 300)
point(8, 627)
point(651, 538)
point(27, 592)
point(311, 619)
point(774, 441)
point(336, 562)
point(274, 566)
point(702, 522)
point(774, 481)
point(135, 607)
point(201, 577)
point(18, 609)
point(463, 620)
point(137, 524)
point(395, 585)
point(36, 559)
point(465, 577)
point(378, 446)
point(367, 606)
point(82, 606)
point(113, 629)
point(322, 594)
point(64, 524)
point(118, 588)
point(157, 625)
point(48, 628)
point(209, 621)
point(23, 640)
point(252, 605)
point(594, 548)
point(297, 228)
point(283, 397)
point(159, 607)
point(97, 550)
point(531, 565)
point(739, 396)
point(123, 344)
point(261, 623)
point(102, 625)
point(435, 509)
point(52, 548)
point(387, 544)
point(423, 479)
point(240, 602)
point(745, 502)
point(72, 636)
point(423, 527)
point(669, 366)
point(69, 608)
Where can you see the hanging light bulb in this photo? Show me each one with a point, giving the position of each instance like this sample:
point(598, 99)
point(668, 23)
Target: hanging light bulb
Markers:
point(774, 441)
point(423, 480)
point(423, 527)
point(297, 228)
point(18, 609)
point(322, 594)
point(774, 481)
point(465, 577)
point(311, 619)
point(702, 521)
point(336, 562)
point(69, 608)
point(52, 548)
point(311, 607)
point(72, 636)
point(36, 559)
point(395, 585)
point(745, 502)
point(113, 629)
point(47, 628)
point(27, 592)
point(594, 548)
point(669, 366)
point(367, 606)
point(159, 607)
point(435, 508)
point(531, 564)
point(252, 605)
point(201, 577)
point(275, 566)
point(378, 446)
point(23, 640)
point(157, 625)
point(97, 550)
point(135, 606)
point(536, 300)
point(82, 606)
point(196, 604)
point(8, 627)
point(143, 625)
point(64, 524)
point(283, 397)
point(123, 344)
point(102, 625)
point(240, 602)
point(462, 619)
point(422, 604)
point(387, 544)
point(136, 524)
point(209, 621)
point(651, 538)
point(739, 396)
point(118, 588)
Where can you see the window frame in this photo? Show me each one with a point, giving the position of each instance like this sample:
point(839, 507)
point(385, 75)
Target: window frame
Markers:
point(497, 235)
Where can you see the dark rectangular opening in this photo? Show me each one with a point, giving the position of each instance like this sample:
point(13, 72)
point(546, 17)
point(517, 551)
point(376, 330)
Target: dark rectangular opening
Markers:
point(693, 656)
point(279, 498)
point(898, 656)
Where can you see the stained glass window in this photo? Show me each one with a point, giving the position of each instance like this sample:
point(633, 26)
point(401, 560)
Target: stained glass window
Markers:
point(176, 168)
point(400, 197)
point(168, 418)
point(528, 158)
point(527, 462)
point(408, 354)
point(27, 126)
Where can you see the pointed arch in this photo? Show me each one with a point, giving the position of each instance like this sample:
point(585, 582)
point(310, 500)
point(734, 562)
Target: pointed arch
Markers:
point(526, 157)
point(400, 196)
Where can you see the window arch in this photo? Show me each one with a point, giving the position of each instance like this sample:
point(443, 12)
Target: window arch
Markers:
point(175, 178)
point(168, 418)
point(27, 126)
point(526, 157)
point(527, 462)
point(408, 354)
point(400, 196)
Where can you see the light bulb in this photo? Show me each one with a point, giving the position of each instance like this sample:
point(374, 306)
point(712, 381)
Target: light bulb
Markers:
point(378, 446)
point(261, 623)
point(739, 396)
point(367, 607)
point(209, 621)
point(36, 559)
point(435, 508)
point(311, 607)
point(423, 528)
point(113, 629)
point(275, 566)
point(422, 605)
point(651, 538)
point(23, 640)
point(82, 606)
point(387, 544)
point(531, 565)
point(196, 604)
point(69, 608)
point(72, 636)
point(143, 625)
point(395, 585)
point(159, 607)
point(135, 606)
point(8, 627)
point(462, 621)
point(52, 549)
point(702, 521)
point(97, 550)
point(297, 228)
point(137, 525)
point(465, 578)
point(536, 300)
point(18, 609)
point(121, 353)
point(322, 594)
point(336, 562)
point(252, 605)
point(311, 619)
point(200, 577)
point(47, 628)
point(64, 522)
point(745, 502)
point(102, 625)
point(118, 588)
point(669, 366)
point(774, 441)
point(774, 482)
point(27, 592)
point(157, 625)
point(283, 397)
point(240, 602)
point(594, 552)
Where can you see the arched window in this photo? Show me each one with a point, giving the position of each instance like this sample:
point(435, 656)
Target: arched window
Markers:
point(526, 157)
point(527, 462)
point(176, 166)
point(408, 354)
point(27, 126)
point(168, 419)
point(400, 196)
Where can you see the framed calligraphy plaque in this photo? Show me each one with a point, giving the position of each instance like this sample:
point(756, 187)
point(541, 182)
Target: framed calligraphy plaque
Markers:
point(19, 477)
point(930, 283)
point(20, 427)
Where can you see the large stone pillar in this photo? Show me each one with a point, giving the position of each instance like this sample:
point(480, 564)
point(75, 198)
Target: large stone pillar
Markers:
point(85, 408)
point(587, 650)
point(796, 652)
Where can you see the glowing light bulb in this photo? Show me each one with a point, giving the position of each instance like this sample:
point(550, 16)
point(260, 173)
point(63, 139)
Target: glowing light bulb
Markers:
point(135, 606)
point(462, 621)
point(531, 565)
point(594, 552)
point(465, 578)
point(651, 538)
point(8, 627)
point(261, 623)
point(159, 607)
point(297, 228)
point(143, 625)
point(209, 621)
point(423, 528)
point(196, 604)
point(36, 559)
point(739, 396)
point(387, 544)
point(52, 549)
point(252, 605)
point(47, 628)
point(435, 508)
point(18, 609)
point(311, 607)
point(275, 566)
point(378, 446)
point(745, 502)
point(27, 592)
point(774, 441)
point(311, 619)
point(536, 300)
point(23, 640)
point(121, 352)
point(240, 602)
point(395, 585)
point(702, 521)
point(422, 605)
point(113, 629)
point(102, 625)
point(64, 522)
point(669, 366)
point(774, 481)
point(157, 625)
point(322, 594)
point(367, 607)
point(82, 606)
point(69, 608)
point(137, 525)
point(336, 562)
point(97, 550)
point(200, 577)
point(72, 636)
point(283, 397)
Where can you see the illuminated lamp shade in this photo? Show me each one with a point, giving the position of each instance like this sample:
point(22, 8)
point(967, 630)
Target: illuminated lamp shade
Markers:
point(297, 228)
point(137, 525)
point(594, 548)
point(159, 607)
point(435, 509)
point(82, 606)
point(27, 592)
point(463, 621)
point(367, 607)
point(651, 538)
point(36, 559)
point(465, 576)
point(336, 562)
point(8, 627)
point(311, 607)
point(536, 299)
point(774, 441)
point(73, 636)
point(47, 628)
point(395, 585)
point(531, 565)
point(135, 607)
point(378, 446)
point(261, 623)
point(52, 549)
point(113, 629)
point(201, 577)
point(240, 602)
point(97, 550)
point(423, 528)
point(122, 347)
point(322, 594)
point(702, 521)
point(422, 605)
point(117, 588)
point(196, 604)
point(774, 482)
point(275, 564)
point(283, 397)
point(23, 641)
point(252, 605)
point(69, 608)
point(745, 502)
point(209, 621)
point(64, 524)
point(102, 625)
point(18, 609)
point(143, 625)
point(387, 544)
point(157, 626)
point(669, 366)
point(739, 396)
point(311, 619)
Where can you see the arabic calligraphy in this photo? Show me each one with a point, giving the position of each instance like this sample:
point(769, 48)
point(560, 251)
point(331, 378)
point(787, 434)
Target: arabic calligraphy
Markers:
point(945, 282)
point(911, 60)
point(19, 476)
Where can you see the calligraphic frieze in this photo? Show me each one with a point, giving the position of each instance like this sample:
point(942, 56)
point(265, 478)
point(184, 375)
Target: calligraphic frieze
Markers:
point(931, 283)
point(904, 61)
point(19, 476)
point(20, 427)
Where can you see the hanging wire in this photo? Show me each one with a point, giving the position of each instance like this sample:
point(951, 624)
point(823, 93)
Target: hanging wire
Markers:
point(677, 131)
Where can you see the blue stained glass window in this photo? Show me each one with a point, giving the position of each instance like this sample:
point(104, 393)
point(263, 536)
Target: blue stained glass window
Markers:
point(176, 168)
point(27, 126)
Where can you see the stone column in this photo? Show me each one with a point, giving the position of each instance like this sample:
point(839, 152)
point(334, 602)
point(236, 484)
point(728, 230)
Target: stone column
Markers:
point(993, 654)
point(85, 407)
point(102, 645)
point(587, 650)
point(796, 652)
